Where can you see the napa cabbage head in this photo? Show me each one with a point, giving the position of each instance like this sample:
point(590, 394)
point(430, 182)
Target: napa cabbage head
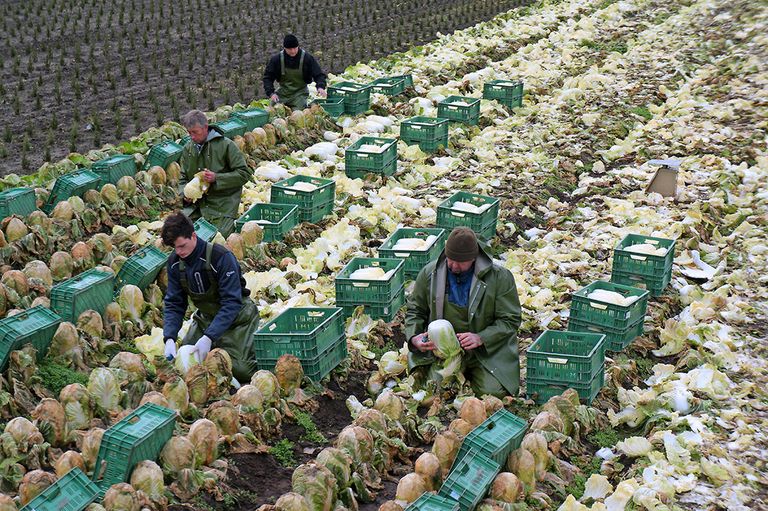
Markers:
point(447, 348)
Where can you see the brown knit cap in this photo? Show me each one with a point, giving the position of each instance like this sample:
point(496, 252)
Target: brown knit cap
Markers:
point(462, 245)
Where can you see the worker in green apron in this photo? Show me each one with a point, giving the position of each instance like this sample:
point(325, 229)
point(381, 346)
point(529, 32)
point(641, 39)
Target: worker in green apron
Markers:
point(293, 68)
point(208, 275)
point(479, 299)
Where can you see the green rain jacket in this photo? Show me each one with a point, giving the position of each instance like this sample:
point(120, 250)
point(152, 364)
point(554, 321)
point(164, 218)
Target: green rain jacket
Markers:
point(220, 155)
point(494, 314)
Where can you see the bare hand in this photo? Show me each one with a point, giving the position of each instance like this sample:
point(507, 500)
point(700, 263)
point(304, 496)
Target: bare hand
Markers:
point(274, 98)
point(422, 343)
point(469, 341)
point(321, 93)
point(209, 176)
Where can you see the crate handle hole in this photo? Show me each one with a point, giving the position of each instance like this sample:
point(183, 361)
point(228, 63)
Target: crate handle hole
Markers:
point(134, 419)
point(599, 306)
point(316, 314)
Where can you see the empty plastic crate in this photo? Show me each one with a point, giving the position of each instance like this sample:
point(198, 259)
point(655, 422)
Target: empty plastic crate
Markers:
point(139, 436)
point(253, 117)
point(604, 313)
point(566, 357)
point(431, 502)
point(356, 96)
point(388, 86)
point(507, 92)
point(205, 229)
point(542, 390)
point(360, 158)
point(334, 107)
point(407, 79)
point(91, 290)
point(302, 331)
point(315, 368)
point(654, 285)
point(482, 223)
point(496, 437)
point(17, 201)
point(460, 109)
point(35, 326)
point(430, 133)
point(469, 480)
point(231, 128)
point(415, 260)
point(71, 492)
point(313, 205)
point(163, 154)
point(75, 183)
point(652, 271)
point(141, 268)
point(275, 219)
point(616, 339)
point(111, 169)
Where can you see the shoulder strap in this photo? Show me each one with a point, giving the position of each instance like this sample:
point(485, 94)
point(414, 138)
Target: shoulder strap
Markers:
point(301, 61)
point(282, 62)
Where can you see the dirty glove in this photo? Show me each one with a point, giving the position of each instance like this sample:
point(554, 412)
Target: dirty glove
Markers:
point(170, 349)
point(202, 347)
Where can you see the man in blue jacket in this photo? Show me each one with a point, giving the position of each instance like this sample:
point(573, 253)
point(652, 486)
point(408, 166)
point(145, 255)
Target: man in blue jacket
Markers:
point(208, 275)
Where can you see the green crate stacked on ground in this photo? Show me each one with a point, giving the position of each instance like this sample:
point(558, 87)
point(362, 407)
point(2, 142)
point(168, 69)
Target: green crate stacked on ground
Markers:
point(163, 154)
point(205, 229)
point(334, 107)
point(75, 183)
point(17, 201)
point(315, 335)
point(111, 169)
point(621, 324)
point(482, 223)
point(496, 437)
point(359, 160)
point(275, 219)
point(654, 272)
point(415, 260)
point(71, 492)
point(389, 86)
point(35, 326)
point(231, 128)
point(313, 205)
point(356, 96)
point(558, 360)
point(507, 92)
point(141, 268)
point(381, 298)
point(91, 290)
point(431, 502)
point(139, 436)
point(252, 117)
point(469, 480)
point(460, 109)
point(430, 133)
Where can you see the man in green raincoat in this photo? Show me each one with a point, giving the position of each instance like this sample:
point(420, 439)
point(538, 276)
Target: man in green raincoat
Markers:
point(293, 68)
point(479, 298)
point(225, 171)
point(209, 275)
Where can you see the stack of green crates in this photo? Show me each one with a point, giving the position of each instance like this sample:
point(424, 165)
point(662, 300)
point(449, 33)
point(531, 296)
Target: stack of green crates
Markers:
point(91, 290)
point(460, 109)
point(381, 298)
point(654, 272)
point(483, 223)
point(231, 128)
point(558, 361)
point(17, 201)
point(496, 437)
point(141, 268)
point(358, 163)
point(252, 117)
point(334, 107)
point(429, 132)
point(139, 436)
point(71, 492)
point(507, 92)
point(313, 205)
point(163, 154)
point(275, 219)
point(470, 479)
point(315, 335)
point(205, 229)
point(415, 260)
point(356, 96)
point(621, 324)
point(388, 86)
point(431, 502)
point(111, 169)
point(35, 326)
point(75, 183)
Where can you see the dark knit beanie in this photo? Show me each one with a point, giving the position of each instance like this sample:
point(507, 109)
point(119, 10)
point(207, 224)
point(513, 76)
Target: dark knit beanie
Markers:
point(462, 245)
point(290, 41)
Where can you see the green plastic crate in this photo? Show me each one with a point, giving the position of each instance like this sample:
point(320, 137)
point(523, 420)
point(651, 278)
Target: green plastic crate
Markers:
point(71, 492)
point(75, 183)
point(141, 268)
point(313, 205)
point(357, 160)
point(231, 128)
point(384, 311)
point(542, 390)
point(430, 133)
point(407, 79)
point(415, 260)
point(652, 270)
point(184, 140)
point(163, 154)
point(566, 357)
point(139, 436)
point(469, 480)
point(655, 286)
point(91, 290)
point(302, 331)
point(388, 86)
point(496, 437)
point(205, 229)
point(507, 92)
point(318, 367)
point(370, 291)
point(35, 326)
point(431, 502)
point(389, 169)
point(111, 169)
point(460, 109)
point(17, 201)
point(616, 339)
point(356, 96)
point(483, 224)
point(282, 218)
point(600, 313)
point(253, 117)
point(334, 107)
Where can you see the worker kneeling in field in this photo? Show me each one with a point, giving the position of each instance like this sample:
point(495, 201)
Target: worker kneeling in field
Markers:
point(225, 173)
point(293, 68)
point(210, 276)
point(479, 299)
